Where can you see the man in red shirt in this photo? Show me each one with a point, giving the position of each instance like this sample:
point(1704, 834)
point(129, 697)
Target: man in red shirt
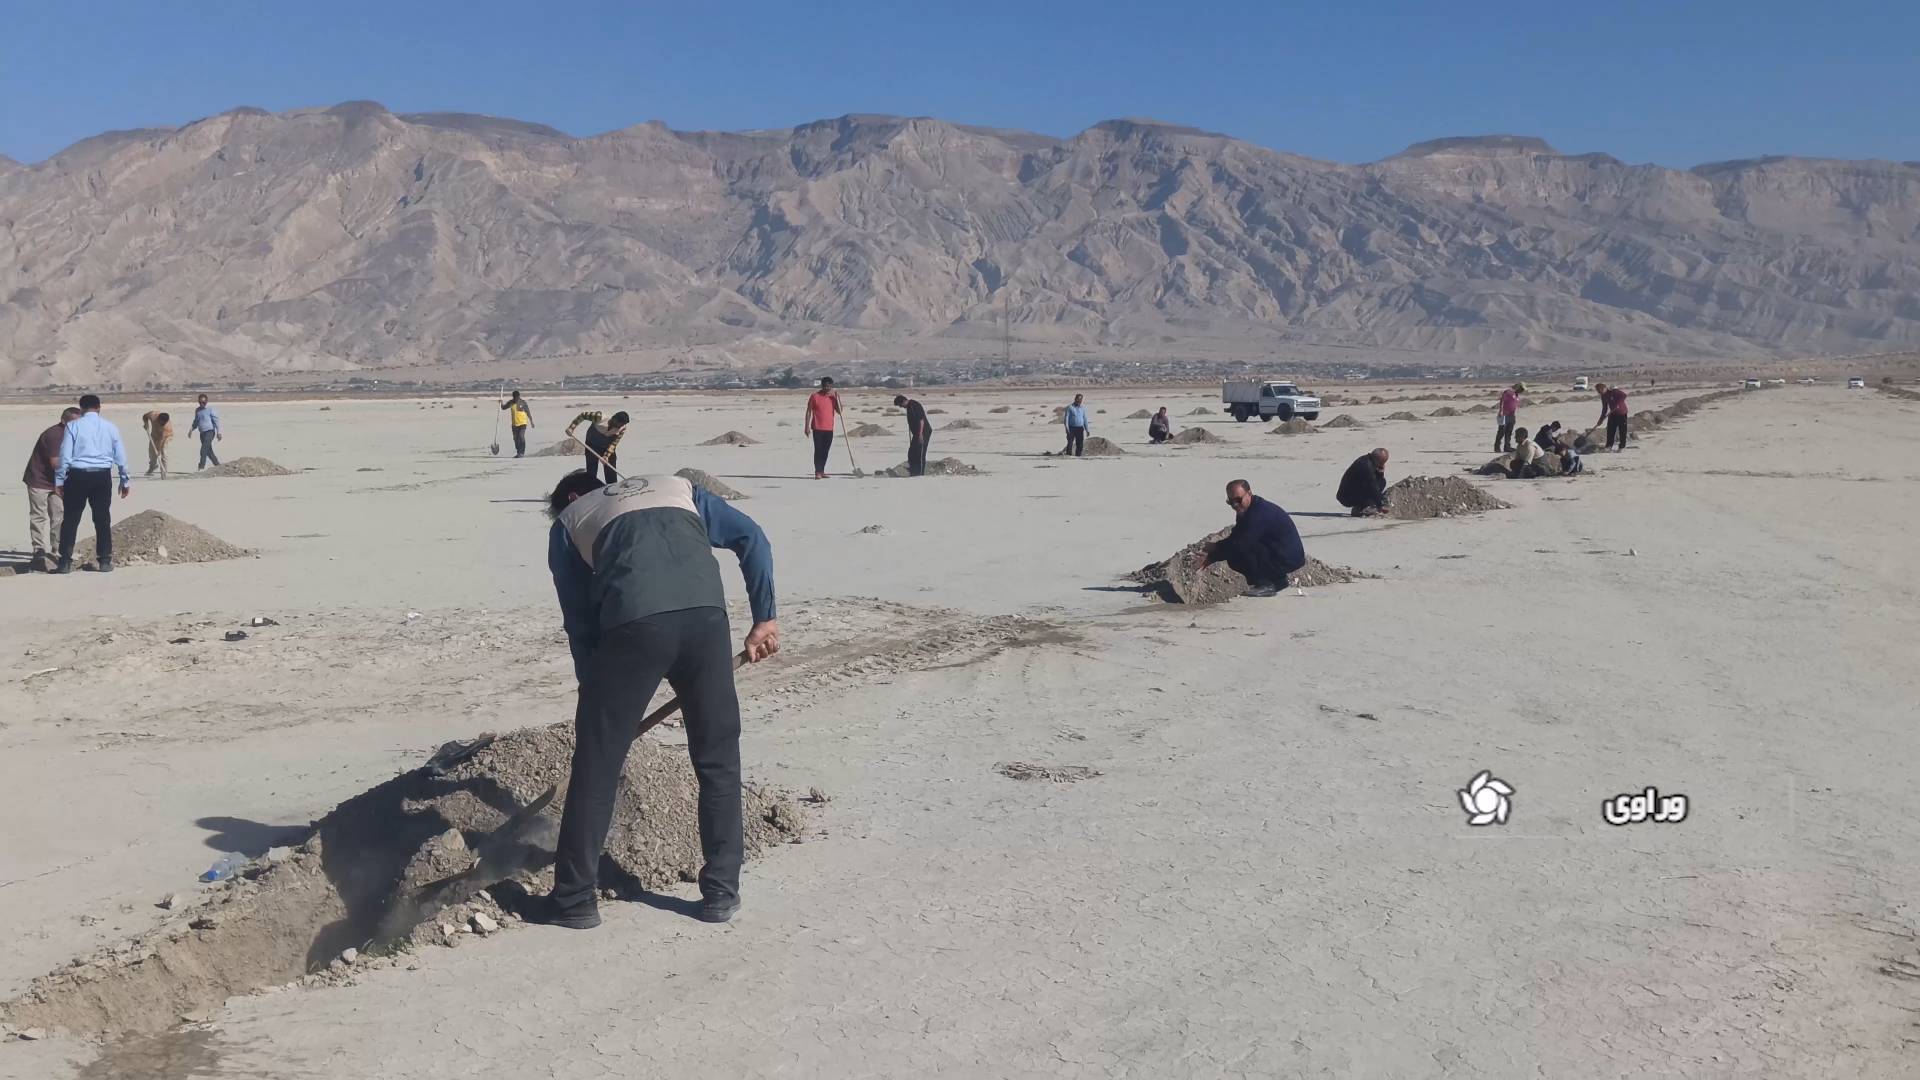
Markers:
point(1613, 413)
point(823, 410)
point(1509, 412)
point(43, 499)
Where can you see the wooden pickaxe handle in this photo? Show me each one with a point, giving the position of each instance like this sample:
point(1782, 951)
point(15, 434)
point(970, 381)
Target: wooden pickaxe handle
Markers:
point(653, 718)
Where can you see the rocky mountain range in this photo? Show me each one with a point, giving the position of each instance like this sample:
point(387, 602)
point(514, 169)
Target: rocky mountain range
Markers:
point(353, 237)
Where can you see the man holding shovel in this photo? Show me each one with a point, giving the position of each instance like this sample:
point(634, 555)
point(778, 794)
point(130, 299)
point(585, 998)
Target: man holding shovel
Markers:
point(823, 412)
point(641, 602)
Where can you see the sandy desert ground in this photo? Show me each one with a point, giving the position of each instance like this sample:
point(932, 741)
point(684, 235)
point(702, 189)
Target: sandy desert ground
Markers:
point(1269, 876)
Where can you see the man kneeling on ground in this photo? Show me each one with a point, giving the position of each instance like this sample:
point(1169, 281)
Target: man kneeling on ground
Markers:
point(1363, 488)
point(641, 601)
point(1526, 457)
point(1264, 546)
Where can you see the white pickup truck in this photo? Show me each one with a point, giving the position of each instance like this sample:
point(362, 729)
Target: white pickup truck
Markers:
point(1266, 400)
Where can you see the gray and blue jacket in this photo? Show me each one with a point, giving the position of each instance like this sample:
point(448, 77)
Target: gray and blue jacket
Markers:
point(643, 546)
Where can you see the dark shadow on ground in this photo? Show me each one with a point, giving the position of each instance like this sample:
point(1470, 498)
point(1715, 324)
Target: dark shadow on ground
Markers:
point(251, 838)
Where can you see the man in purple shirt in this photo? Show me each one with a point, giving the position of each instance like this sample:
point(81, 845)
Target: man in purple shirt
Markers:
point(43, 499)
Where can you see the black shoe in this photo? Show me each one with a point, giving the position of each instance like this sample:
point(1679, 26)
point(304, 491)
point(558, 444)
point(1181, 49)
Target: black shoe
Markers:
point(65, 566)
point(1262, 590)
point(719, 910)
point(106, 566)
point(584, 915)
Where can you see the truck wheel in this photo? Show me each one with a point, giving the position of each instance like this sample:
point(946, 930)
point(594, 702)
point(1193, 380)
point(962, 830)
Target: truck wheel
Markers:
point(1240, 413)
point(1309, 416)
point(1286, 413)
point(1266, 418)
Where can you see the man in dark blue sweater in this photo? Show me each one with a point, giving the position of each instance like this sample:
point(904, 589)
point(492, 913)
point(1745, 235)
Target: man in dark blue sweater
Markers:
point(641, 601)
point(1264, 547)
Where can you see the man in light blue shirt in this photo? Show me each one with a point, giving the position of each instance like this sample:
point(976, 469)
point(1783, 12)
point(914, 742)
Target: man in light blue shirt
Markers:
point(90, 451)
point(206, 423)
point(1076, 420)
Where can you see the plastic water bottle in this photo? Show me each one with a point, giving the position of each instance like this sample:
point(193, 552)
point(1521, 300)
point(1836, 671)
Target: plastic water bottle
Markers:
point(225, 867)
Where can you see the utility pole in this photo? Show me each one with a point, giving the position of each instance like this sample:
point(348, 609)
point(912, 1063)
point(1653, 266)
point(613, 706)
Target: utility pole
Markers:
point(1006, 327)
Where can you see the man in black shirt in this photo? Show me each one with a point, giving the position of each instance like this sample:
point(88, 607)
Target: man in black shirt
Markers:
point(1363, 487)
point(919, 431)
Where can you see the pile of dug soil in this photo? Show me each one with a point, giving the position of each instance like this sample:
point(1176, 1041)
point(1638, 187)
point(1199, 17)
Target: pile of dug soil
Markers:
point(1376, 400)
point(1099, 447)
point(1897, 391)
point(1295, 426)
point(245, 466)
point(944, 467)
point(732, 438)
point(1201, 411)
point(864, 430)
point(962, 424)
point(1140, 414)
point(1445, 410)
point(384, 868)
point(1550, 465)
point(1001, 409)
point(567, 447)
point(1402, 416)
point(713, 486)
point(1175, 581)
point(1344, 420)
point(1482, 408)
point(1419, 497)
point(1197, 435)
point(152, 536)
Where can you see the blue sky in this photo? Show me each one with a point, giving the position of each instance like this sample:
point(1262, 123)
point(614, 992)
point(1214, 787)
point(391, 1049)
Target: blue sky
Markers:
point(1676, 83)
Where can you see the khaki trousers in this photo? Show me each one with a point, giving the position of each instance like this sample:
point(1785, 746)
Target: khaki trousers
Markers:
point(43, 519)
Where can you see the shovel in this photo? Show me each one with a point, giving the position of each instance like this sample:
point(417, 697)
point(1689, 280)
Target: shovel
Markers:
point(847, 441)
point(495, 448)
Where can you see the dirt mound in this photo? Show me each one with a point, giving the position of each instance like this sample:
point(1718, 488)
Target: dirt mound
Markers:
point(361, 881)
point(862, 431)
point(1201, 411)
point(1099, 447)
point(1550, 465)
point(1344, 420)
point(1376, 400)
point(732, 438)
point(567, 447)
point(1402, 416)
point(1140, 414)
point(245, 466)
point(944, 467)
point(1419, 497)
point(1295, 426)
point(713, 486)
point(1001, 409)
point(962, 424)
point(1445, 410)
point(152, 536)
point(1175, 581)
point(1481, 409)
point(1197, 435)
point(1897, 391)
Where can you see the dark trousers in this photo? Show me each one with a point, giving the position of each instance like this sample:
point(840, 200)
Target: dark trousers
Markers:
point(1503, 435)
point(822, 445)
point(1616, 428)
point(1076, 441)
point(206, 449)
point(693, 651)
point(1159, 435)
point(917, 456)
point(520, 441)
point(93, 487)
point(1260, 568)
point(593, 466)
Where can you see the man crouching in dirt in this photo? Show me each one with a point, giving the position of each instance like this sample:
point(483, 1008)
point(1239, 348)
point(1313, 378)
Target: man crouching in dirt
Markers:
point(642, 601)
point(1264, 546)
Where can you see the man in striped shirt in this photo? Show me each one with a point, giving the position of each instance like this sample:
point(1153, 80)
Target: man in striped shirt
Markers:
point(602, 441)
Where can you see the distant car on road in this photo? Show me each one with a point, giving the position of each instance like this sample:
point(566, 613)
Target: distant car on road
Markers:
point(1750, 384)
point(1856, 383)
point(1580, 383)
point(1806, 382)
point(1266, 400)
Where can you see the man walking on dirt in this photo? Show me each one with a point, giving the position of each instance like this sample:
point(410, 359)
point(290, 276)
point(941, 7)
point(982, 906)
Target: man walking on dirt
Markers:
point(641, 601)
point(90, 451)
point(206, 424)
point(823, 413)
point(1509, 415)
point(1613, 413)
point(1264, 546)
point(602, 440)
point(1075, 419)
point(520, 418)
point(43, 498)
point(919, 433)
